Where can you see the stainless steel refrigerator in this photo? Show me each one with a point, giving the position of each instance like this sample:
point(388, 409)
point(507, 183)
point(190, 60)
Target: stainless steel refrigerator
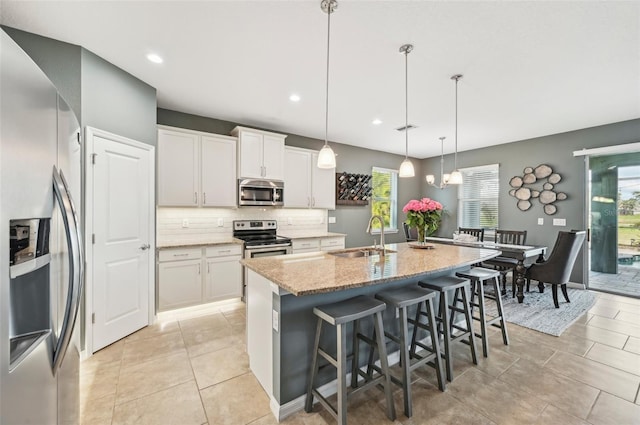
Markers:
point(41, 253)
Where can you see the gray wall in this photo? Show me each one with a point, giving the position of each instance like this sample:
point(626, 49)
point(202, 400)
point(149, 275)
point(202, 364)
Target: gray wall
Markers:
point(101, 94)
point(556, 151)
point(350, 220)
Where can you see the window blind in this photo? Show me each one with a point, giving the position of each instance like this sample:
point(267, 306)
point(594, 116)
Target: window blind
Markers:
point(478, 197)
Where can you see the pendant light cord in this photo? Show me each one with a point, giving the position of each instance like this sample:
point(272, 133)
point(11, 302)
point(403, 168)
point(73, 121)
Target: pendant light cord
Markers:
point(406, 104)
point(455, 156)
point(326, 105)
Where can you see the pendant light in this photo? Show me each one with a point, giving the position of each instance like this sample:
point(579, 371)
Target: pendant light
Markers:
point(445, 179)
point(406, 168)
point(326, 157)
point(456, 176)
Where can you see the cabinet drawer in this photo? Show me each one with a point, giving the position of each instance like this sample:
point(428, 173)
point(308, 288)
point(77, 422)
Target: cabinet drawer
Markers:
point(337, 242)
point(180, 254)
point(305, 244)
point(224, 250)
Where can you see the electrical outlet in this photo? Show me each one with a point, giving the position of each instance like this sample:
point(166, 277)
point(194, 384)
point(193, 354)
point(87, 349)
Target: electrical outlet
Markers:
point(540, 221)
point(321, 220)
point(185, 223)
point(559, 221)
point(289, 221)
point(221, 222)
point(274, 320)
point(332, 220)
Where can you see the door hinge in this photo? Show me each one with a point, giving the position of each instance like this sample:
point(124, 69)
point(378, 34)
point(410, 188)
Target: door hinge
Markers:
point(93, 318)
point(93, 158)
point(93, 238)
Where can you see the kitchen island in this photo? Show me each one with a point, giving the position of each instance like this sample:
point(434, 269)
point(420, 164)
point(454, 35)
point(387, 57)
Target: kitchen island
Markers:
point(282, 291)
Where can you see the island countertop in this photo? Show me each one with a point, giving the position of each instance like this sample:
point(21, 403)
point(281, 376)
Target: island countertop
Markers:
point(322, 272)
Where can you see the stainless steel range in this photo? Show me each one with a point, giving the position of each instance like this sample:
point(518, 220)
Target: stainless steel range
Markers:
point(260, 238)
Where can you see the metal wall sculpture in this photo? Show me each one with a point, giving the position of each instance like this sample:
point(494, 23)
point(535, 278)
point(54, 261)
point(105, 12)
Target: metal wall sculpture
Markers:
point(525, 191)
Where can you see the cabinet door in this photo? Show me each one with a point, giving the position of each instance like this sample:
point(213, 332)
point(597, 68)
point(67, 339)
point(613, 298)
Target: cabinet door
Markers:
point(218, 165)
point(323, 183)
point(179, 284)
point(223, 279)
point(250, 152)
point(178, 168)
point(297, 179)
point(273, 157)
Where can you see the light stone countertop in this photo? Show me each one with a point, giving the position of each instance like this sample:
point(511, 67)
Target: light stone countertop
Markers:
point(321, 272)
point(198, 243)
point(302, 235)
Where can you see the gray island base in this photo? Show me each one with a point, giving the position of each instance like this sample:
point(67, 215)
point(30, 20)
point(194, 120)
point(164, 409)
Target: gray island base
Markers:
point(283, 290)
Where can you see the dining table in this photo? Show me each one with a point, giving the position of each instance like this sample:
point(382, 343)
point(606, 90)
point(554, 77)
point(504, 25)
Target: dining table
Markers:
point(521, 253)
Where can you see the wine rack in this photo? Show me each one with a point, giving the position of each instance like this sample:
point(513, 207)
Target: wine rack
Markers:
point(353, 189)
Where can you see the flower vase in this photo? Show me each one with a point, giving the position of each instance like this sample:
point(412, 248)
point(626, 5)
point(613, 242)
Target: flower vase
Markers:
point(420, 234)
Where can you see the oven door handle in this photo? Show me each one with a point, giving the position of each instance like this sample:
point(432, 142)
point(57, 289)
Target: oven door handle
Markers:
point(250, 248)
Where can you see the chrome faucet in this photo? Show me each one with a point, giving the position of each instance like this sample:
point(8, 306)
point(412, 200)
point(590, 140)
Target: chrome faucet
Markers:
point(381, 220)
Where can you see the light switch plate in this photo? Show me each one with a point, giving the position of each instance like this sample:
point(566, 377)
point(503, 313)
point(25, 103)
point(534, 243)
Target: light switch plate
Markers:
point(332, 220)
point(221, 222)
point(540, 221)
point(559, 221)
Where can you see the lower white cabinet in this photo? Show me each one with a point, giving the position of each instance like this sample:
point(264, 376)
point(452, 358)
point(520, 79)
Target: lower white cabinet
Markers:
point(330, 243)
point(223, 279)
point(194, 276)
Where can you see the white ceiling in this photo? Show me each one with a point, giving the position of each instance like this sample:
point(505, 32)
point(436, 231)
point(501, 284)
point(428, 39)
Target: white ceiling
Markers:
point(530, 68)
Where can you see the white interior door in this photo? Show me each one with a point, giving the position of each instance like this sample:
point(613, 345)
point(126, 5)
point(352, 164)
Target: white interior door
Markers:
point(122, 246)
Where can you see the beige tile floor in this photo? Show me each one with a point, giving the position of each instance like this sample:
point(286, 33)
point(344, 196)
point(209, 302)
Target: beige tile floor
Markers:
point(194, 370)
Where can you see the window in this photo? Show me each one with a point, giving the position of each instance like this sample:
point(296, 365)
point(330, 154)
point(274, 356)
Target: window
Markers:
point(478, 197)
point(384, 197)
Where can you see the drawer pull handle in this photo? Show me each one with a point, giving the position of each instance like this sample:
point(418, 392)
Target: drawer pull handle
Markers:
point(226, 250)
point(180, 255)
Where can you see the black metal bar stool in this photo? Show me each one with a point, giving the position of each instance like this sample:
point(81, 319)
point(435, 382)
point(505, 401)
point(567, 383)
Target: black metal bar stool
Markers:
point(447, 286)
point(339, 315)
point(401, 299)
point(478, 277)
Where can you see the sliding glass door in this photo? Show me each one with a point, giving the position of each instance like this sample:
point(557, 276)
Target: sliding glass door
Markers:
point(614, 220)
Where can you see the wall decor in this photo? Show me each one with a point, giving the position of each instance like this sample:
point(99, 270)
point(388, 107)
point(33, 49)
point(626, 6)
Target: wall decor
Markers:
point(353, 189)
point(546, 194)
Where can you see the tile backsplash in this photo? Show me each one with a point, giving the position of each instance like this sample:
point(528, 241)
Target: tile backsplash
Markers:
point(203, 223)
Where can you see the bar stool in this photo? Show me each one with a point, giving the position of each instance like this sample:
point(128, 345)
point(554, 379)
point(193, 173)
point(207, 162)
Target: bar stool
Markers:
point(339, 315)
point(400, 299)
point(478, 277)
point(445, 285)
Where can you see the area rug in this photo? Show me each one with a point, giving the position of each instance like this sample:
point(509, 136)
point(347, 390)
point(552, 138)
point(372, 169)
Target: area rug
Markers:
point(538, 313)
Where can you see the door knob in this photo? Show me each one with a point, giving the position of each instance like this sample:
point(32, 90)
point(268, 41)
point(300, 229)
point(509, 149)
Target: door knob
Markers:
point(145, 247)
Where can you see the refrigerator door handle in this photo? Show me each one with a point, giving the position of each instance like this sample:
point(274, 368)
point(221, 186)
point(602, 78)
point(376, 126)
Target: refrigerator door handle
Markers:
point(76, 263)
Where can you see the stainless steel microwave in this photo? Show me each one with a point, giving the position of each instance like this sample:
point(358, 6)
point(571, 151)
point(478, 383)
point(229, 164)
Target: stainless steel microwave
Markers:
point(254, 192)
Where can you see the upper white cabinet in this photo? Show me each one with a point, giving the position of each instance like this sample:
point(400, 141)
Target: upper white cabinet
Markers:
point(196, 169)
point(260, 154)
point(306, 185)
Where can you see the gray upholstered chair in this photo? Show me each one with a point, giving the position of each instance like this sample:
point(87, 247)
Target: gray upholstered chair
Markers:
point(478, 233)
point(556, 270)
point(507, 264)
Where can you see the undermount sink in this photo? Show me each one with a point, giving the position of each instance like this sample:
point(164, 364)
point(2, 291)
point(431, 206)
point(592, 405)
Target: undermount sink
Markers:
point(357, 253)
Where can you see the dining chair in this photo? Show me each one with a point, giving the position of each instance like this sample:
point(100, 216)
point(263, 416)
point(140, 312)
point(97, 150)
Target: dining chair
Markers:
point(506, 264)
point(556, 270)
point(478, 233)
point(410, 233)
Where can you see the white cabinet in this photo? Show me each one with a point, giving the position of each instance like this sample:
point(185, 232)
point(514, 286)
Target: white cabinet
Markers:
point(306, 185)
point(196, 169)
point(305, 245)
point(260, 153)
point(179, 278)
point(192, 276)
point(327, 243)
point(224, 273)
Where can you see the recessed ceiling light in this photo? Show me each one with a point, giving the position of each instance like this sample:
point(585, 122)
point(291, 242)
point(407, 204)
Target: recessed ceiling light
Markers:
point(294, 98)
point(376, 122)
point(154, 58)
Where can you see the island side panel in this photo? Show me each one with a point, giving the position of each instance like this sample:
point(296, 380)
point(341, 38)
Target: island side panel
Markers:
point(259, 329)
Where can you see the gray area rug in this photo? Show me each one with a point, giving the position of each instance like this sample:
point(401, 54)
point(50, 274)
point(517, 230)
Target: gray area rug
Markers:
point(538, 313)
